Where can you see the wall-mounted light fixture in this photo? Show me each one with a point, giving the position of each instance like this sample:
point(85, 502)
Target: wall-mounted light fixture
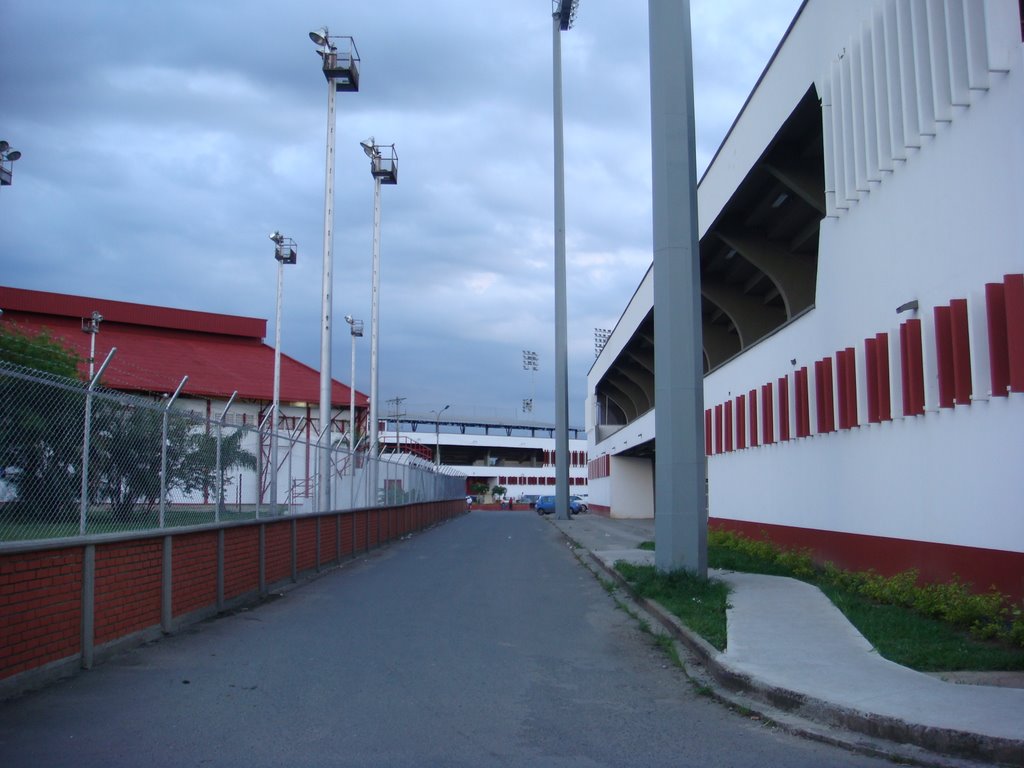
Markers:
point(908, 306)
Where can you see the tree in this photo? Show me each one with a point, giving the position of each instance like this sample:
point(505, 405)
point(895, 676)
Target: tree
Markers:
point(40, 424)
point(499, 491)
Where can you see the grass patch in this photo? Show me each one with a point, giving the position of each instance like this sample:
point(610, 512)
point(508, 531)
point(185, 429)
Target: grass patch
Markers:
point(699, 603)
point(934, 627)
point(930, 627)
point(648, 545)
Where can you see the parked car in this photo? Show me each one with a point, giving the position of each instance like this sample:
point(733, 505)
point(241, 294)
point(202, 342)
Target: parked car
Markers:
point(581, 501)
point(546, 505)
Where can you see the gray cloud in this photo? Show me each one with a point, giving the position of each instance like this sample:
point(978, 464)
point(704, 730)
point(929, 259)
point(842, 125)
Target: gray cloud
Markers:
point(163, 141)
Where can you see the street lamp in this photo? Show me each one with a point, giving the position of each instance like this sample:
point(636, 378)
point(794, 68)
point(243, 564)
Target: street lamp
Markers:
point(384, 169)
point(7, 157)
point(437, 435)
point(563, 16)
point(341, 68)
point(284, 253)
point(91, 326)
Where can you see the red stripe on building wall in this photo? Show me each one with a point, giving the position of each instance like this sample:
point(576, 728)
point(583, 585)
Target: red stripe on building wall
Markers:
point(752, 398)
point(719, 445)
point(1013, 295)
point(728, 426)
point(912, 364)
point(784, 408)
point(741, 421)
point(708, 442)
point(803, 410)
point(767, 414)
point(884, 382)
point(849, 388)
point(998, 356)
point(819, 395)
point(944, 356)
point(871, 378)
point(858, 552)
point(960, 329)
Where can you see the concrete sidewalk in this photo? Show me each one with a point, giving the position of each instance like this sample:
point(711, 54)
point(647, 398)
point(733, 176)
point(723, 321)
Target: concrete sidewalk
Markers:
point(789, 647)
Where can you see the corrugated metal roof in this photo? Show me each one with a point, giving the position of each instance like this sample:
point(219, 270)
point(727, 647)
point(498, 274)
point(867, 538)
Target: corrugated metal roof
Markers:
point(153, 357)
point(64, 305)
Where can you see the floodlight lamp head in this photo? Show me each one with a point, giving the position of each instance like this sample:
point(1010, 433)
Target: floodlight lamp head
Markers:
point(4, 146)
point(277, 237)
point(320, 37)
point(348, 319)
point(369, 147)
point(13, 155)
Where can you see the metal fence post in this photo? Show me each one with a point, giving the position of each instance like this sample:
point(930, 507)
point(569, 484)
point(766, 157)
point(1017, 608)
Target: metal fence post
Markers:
point(163, 452)
point(86, 439)
point(219, 473)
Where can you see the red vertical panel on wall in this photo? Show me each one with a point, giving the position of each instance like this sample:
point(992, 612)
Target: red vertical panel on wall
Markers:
point(752, 398)
point(767, 414)
point(741, 422)
point(963, 387)
point(1013, 295)
point(784, 408)
point(998, 355)
point(803, 412)
point(913, 368)
point(719, 446)
point(852, 419)
point(728, 425)
point(819, 395)
point(882, 361)
point(844, 415)
point(871, 371)
point(944, 356)
point(708, 446)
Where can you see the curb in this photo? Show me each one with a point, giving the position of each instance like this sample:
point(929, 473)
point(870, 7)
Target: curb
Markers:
point(811, 717)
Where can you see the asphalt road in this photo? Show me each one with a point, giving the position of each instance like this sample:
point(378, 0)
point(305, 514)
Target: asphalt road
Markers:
point(480, 642)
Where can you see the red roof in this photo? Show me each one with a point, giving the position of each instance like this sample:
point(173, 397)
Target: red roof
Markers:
point(157, 346)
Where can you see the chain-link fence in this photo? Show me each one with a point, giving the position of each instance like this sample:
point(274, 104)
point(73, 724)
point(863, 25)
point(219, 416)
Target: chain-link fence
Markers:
point(76, 460)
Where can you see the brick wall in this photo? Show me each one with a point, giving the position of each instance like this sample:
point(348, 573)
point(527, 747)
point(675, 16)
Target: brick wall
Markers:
point(127, 588)
point(241, 561)
point(45, 613)
point(40, 608)
point(194, 563)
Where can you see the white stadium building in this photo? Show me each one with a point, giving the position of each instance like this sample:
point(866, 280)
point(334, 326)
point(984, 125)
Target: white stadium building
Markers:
point(861, 238)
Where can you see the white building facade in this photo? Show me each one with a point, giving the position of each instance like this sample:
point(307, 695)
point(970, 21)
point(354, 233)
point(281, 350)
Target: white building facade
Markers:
point(862, 248)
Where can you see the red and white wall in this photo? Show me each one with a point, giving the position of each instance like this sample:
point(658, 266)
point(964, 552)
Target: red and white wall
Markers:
point(878, 436)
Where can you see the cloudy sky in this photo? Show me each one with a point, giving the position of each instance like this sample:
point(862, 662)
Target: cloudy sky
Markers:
point(163, 141)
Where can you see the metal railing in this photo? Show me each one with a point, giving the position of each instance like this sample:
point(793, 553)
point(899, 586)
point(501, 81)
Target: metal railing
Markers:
point(78, 460)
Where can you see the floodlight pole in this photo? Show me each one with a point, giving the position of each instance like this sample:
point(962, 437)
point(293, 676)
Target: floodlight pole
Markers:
point(680, 496)
point(342, 73)
point(284, 253)
point(374, 316)
point(561, 19)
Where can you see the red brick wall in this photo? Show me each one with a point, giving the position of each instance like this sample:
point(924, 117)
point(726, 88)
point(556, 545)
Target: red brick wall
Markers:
point(194, 564)
point(305, 538)
point(241, 561)
point(40, 608)
point(127, 588)
point(41, 591)
point(278, 551)
point(329, 540)
point(348, 523)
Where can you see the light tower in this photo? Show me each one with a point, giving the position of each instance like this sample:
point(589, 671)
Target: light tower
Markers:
point(284, 253)
point(340, 66)
point(563, 16)
point(384, 169)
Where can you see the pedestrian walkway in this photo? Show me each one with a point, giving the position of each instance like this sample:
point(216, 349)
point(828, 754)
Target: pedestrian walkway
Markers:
point(787, 643)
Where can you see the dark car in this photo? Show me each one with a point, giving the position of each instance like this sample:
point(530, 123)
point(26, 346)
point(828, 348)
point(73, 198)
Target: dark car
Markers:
point(546, 505)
